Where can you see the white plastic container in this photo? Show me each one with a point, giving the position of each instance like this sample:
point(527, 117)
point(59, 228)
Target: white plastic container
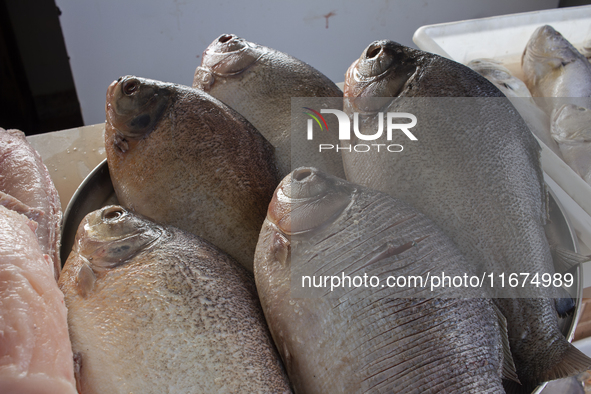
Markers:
point(504, 38)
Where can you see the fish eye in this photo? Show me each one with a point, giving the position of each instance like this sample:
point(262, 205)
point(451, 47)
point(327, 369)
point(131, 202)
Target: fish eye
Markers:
point(130, 87)
point(112, 214)
point(225, 38)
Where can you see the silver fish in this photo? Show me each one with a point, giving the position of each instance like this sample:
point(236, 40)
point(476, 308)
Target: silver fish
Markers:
point(259, 82)
point(553, 67)
point(369, 338)
point(154, 309)
point(474, 170)
point(571, 128)
point(494, 71)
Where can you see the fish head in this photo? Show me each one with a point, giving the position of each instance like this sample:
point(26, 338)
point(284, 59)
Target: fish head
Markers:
point(226, 56)
point(546, 50)
point(305, 202)
point(111, 236)
point(135, 105)
point(308, 200)
point(571, 124)
point(384, 69)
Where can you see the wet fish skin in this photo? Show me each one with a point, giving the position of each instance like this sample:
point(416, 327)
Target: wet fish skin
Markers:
point(554, 68)
point(24, 177)
point(368, 339)
point(494, 71)
point(181, 157)
point(478, 179)
point(517, 92)
point(35, 350)
point(571, 128)
point(154, 309)
point(259, 83)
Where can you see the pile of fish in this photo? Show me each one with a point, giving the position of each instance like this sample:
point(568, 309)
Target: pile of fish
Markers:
point(35, 350)
point(555, 96)
point(196, 282)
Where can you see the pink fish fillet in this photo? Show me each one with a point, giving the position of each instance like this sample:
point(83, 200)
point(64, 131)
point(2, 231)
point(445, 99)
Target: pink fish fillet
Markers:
point(24, 177)
point(35, 350)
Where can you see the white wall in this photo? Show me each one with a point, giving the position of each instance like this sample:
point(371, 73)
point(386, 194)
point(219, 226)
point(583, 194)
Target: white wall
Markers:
point(164, 39)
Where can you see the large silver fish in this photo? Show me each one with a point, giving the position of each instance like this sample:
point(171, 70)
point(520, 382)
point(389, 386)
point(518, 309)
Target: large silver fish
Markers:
point(259, 82)
point(372, 337)
point(494, 71)
point(154, 309)
point(181, 157)
point(474, 170)
point(553, 67)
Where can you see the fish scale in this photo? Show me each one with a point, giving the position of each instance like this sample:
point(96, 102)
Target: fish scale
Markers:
point(475, 172)
point(165, 312)
point(259, 82)
point(363, 340)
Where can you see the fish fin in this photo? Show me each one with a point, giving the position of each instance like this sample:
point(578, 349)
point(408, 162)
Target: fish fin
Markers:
point(77, 357)
point(564, 306)
point(85, 280)
point(565, 259)
point(509, 371)
point(573, 362)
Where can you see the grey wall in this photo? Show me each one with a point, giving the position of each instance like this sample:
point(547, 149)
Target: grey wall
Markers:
point(164, 39)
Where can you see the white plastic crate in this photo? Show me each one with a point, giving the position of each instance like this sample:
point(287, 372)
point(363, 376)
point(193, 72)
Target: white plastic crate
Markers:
point(504, 38)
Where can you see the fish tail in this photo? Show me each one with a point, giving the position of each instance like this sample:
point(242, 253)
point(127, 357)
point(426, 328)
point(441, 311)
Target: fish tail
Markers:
point(572, 361)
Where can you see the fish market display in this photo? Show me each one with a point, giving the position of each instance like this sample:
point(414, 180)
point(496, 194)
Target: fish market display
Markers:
point(515, 89)
point(259, 82)
point(554, 68)
point(154, 309)
point(474, 170)
point(571, 128)
point(35, 351)
point(181, 157)
point(362, 339)
point(24, 177)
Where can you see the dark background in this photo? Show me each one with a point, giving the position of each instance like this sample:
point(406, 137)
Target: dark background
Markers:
point(37, 92)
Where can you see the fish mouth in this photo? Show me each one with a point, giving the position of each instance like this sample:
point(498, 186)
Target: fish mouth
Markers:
point(384, 70)
point(231, 55)
point(548, 46)
point(308, 200)
point(134, 105)
point(109, 237)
